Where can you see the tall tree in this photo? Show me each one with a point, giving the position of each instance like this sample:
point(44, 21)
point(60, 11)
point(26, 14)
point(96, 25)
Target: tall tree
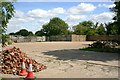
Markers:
point(87, 23)
point(39, 33)
point(101, 30)
point(111, 29)
point(30, 33)
point(80, 29)
point(116, 10)
point(95, 25)
point(84, 28)
point(91, 31)
point(56, 26)
point(6, 13)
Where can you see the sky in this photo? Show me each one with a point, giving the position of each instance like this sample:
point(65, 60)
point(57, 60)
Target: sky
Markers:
point(32, 15)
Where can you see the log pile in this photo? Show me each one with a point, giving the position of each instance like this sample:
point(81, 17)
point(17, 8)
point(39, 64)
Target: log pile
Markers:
point(11, 61)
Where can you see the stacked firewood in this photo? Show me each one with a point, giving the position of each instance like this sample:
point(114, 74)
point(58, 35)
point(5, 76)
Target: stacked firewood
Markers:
point(11, 61)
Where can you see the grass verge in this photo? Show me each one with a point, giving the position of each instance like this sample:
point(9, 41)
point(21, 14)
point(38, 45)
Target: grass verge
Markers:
point(111, 50)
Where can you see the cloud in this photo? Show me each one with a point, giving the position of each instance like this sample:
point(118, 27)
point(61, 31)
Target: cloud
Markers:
point(58, 10)
point(28, 19)
point(106, 5)
point(21, 20)
point(13, 28)
point(30, 26)
point(18, 14)
point(103, 17)
point(31, 19)
point(74, 18)
point(43, 21)
point(40, 13)
point(81, 8)
point(34, 19)
point(16, 24)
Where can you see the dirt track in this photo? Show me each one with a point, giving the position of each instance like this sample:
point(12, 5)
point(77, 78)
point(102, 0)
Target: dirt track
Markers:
point(65, 60)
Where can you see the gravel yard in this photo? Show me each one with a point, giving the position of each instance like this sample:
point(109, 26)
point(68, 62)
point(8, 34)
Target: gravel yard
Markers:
point(65, 60)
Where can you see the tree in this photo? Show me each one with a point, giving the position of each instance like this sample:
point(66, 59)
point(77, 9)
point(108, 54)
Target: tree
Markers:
point(22, 32)
point(68, 32)
point(5, 38)
point(30, 33)
point(84, 28)
point(116, 10)
point(96, 25)
point(12, 33)
point(87, 23)
point(91, 31)
point(111, 29)
point(56, 26)
point(101, 30)
point(6, 13)
point(80, 29)
point(39, 33)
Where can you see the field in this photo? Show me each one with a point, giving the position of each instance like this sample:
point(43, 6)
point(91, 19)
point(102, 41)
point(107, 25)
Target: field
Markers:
point(65, 60)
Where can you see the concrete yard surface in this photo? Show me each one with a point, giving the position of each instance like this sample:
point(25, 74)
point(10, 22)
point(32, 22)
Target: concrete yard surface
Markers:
point(65, 60)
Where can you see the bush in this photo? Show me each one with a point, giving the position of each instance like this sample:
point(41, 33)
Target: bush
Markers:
point(104, 44)
point(6, 40)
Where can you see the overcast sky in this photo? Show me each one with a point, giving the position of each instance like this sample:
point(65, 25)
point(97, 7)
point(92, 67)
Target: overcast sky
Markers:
point(32, 15)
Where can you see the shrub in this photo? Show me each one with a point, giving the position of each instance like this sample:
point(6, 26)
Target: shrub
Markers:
point(104, 44)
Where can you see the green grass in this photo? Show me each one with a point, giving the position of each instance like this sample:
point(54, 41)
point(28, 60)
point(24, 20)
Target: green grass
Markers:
point(111, 50)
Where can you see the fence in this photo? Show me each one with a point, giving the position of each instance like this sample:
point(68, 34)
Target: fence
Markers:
point(59, 38)
point(103, 38)
point(78, 37)
point(66, 38)
point(27, 39)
